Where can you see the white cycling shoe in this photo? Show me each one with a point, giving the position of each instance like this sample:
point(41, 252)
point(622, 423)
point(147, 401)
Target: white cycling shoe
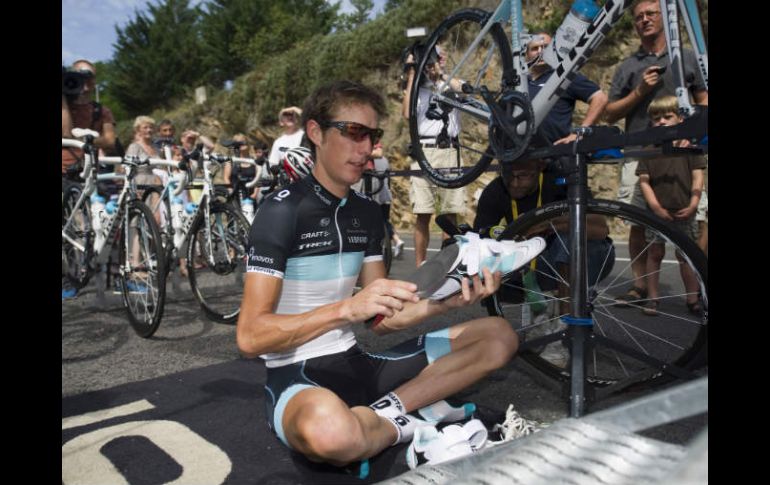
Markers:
point(475, 254)
point(431, 446)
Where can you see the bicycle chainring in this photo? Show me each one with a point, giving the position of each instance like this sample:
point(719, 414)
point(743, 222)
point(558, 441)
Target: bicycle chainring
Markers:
point(518, 107)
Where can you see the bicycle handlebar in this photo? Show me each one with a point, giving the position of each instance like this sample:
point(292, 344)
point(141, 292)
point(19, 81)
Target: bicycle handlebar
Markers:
point(250, 161)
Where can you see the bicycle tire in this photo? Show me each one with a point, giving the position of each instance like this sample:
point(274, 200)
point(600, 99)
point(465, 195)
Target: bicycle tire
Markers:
point(454, 34)
point(218, 288)
point(677, 337)
point(77, 263)
point(143, 273)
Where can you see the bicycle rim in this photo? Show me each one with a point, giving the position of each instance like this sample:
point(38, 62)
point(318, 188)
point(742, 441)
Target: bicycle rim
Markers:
point(142, 275)
point(216, 261)
point(485, 67)
point(674, 336)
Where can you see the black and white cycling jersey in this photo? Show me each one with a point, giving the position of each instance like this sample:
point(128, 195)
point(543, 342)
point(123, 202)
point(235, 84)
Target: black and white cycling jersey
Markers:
point(317, 243)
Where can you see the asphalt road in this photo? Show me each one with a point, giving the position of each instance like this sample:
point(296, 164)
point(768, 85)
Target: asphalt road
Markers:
point(100, 351)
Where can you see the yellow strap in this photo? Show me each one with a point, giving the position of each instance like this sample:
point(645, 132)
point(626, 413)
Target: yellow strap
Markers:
point(515, 209)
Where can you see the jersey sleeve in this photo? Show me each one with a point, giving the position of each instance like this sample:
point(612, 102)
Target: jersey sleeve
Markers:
point(271, 237)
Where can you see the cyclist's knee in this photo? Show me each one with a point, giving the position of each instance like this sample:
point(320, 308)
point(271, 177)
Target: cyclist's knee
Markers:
point(328, 431)
point(500, 341)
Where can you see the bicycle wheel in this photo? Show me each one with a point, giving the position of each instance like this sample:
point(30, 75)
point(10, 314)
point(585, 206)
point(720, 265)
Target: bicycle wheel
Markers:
point(142, 273)
point(675, 336)
point(485, 66)
point(216, 261)
point(76, 257)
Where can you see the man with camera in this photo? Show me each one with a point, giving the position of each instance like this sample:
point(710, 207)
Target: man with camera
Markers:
point(80, 110)
point(433, 125)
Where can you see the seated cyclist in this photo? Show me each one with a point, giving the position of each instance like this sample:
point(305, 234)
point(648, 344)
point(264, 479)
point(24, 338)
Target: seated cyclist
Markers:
point(309, 244)
point(524, 186)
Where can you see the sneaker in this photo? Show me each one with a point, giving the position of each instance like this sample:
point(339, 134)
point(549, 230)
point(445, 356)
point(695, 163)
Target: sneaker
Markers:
point(515, 426)
point(398, 250)
point(542, 325)
point(432, 446)
point(443, 412)
point(475, 253)
point(556, 353)
point(68, 293)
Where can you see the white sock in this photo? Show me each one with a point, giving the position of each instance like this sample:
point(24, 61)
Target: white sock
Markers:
point(405, 425)
point(441, 411)
point(388, 406)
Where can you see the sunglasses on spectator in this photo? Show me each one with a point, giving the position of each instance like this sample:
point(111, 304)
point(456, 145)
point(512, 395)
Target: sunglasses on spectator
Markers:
point(355, 131)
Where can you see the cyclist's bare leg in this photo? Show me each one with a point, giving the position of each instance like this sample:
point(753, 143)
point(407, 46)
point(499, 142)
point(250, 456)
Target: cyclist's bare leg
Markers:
point(478, 347)
point(318, 424)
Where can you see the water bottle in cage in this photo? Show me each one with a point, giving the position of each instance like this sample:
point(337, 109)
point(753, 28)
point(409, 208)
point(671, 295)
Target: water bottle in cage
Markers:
point(97, 212)
point(177, 207)
point(579, 17)
point(247, 206)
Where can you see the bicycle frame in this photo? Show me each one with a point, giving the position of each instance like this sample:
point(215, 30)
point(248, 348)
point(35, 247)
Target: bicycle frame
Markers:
point(589, 41)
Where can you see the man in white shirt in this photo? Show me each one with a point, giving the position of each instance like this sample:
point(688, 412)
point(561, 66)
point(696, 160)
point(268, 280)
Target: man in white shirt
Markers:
point(288, 118)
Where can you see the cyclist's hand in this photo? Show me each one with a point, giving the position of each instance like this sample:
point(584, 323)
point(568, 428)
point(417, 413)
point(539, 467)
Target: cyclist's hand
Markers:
point(650, 78)
point(480, 289)
point(381, 297)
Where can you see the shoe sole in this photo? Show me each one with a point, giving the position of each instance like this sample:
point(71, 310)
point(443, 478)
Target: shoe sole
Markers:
point(431, 275)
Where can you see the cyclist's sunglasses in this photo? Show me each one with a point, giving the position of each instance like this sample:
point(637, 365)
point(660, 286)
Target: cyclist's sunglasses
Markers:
point(355, 131)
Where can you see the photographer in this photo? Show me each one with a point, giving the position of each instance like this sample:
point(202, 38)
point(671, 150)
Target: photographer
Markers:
point(427, 198)
point(79, 110)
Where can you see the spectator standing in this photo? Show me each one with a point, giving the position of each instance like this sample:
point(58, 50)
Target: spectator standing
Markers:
point(288, 119)
point(555, 128)
point(636, 82)
point(379, 164)
point(82, 111)
point(427, 198)
point(672, 188)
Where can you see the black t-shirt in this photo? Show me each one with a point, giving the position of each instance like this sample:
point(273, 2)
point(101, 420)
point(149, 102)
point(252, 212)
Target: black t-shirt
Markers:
point(558, 123)
point(495, 201)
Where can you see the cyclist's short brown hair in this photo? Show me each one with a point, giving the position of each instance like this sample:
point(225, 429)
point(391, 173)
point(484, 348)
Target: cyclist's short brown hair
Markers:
point(322, 104)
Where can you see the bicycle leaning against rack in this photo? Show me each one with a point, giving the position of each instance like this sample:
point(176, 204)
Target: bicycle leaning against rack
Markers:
point(611, 348)
point(211, 234)
point(88, 239)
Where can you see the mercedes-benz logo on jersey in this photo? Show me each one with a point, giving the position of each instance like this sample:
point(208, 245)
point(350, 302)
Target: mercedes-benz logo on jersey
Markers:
point(356, 222)
point(317, 188)
point(325, 222)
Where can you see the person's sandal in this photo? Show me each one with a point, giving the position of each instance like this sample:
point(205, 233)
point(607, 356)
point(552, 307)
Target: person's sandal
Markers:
point(651, 308)
point(635, 294)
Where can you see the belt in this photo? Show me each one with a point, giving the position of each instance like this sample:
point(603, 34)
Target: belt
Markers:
point(452, 144)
